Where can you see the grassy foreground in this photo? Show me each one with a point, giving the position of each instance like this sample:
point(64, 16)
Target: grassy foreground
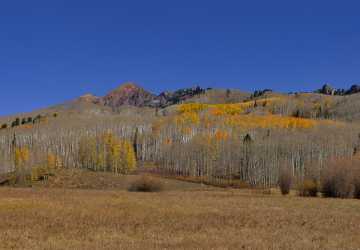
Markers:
point(43, 218)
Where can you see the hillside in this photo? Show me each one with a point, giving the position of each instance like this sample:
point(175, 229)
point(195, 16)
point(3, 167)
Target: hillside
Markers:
point(347, 108)
point(128, 95)
point(127, 98)
point(205, 164)
point(189, 132)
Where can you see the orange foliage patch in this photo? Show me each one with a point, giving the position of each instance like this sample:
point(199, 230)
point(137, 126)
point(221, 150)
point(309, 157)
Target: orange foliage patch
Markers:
point(221, 135)
point(223, 109)
point(213, 115)
point(188, 117)
point(269, 121)
point(27, 126)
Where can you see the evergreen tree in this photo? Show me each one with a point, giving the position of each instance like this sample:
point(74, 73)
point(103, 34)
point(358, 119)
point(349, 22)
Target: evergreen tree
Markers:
point(16, 122)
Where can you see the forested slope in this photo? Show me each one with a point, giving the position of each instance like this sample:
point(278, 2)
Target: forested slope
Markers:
point(217, 136)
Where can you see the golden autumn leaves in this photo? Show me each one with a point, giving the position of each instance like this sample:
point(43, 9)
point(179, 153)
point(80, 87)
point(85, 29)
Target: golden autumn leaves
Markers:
point(221, 121)
point(234, 115)
point(28, 170)
point(22, 155)
point(107, 153)
point(104, 152)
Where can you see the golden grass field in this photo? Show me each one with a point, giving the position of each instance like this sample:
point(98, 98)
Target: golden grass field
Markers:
point(188, 216)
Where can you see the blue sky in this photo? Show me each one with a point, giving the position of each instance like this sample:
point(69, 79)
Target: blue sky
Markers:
point(52, 51)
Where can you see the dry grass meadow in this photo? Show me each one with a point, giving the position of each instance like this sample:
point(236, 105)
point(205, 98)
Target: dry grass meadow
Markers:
point(183, 216)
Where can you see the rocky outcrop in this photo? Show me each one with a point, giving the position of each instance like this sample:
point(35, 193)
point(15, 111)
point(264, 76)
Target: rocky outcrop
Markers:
point(133, 95)
point(89, 98)
point(353, 89)
point(170, 98)
point(328, 90)
point(128, 94)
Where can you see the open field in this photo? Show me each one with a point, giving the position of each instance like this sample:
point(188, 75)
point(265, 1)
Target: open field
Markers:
point(84, 179)
point(195, 218)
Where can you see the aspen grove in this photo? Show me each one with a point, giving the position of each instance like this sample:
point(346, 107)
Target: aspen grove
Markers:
point(213, 143)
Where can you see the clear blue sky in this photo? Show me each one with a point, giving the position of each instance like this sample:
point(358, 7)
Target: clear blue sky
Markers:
point(52, 51)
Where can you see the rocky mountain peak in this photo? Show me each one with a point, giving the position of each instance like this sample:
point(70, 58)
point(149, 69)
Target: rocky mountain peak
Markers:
point(132, 94)
point(128, 94)
point(89, 98)
point(128, 86)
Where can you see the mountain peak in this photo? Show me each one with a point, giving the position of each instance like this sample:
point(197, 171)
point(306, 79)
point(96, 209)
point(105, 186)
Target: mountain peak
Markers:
point(128, 86)
point(89, 98)
point(128, 93)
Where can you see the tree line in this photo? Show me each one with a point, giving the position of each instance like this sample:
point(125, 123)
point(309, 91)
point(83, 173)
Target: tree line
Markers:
point(215, 144)
point(26, 121)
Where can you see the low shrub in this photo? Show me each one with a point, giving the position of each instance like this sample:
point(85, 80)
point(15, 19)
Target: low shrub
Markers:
point(285, 180)
point(357, 186)
point(40, 173)
point(308, 188)
point(336, 181)
point(19, 179)
point(146, 184)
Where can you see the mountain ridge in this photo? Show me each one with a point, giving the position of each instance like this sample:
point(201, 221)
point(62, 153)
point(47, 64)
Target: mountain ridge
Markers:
point(130, 98)
point(131, 94)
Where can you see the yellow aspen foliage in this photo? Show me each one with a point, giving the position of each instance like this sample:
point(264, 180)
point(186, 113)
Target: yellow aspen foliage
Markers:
point(99, 160)
point(22, 156)
point(221, 135)
point(41, 172)
point(46, 168)
point(192, 107)
point(87, 151)
point(188, 118)
point(35, 175)
point(51, 161)
point(115, 156)
point(224, 109)
point(156, 126)
point(206, 121)
point(129, 157)
point(234, 115)
point(27, 126)
point(108, 153)
point(168, 141)
point(206, 142)
point(229, 109)
point(21, 161)
point(59, 162)
point(269, 121)
point(217, 111)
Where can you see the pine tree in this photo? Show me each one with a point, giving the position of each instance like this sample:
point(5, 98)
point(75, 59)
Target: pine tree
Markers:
point(15, 123)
